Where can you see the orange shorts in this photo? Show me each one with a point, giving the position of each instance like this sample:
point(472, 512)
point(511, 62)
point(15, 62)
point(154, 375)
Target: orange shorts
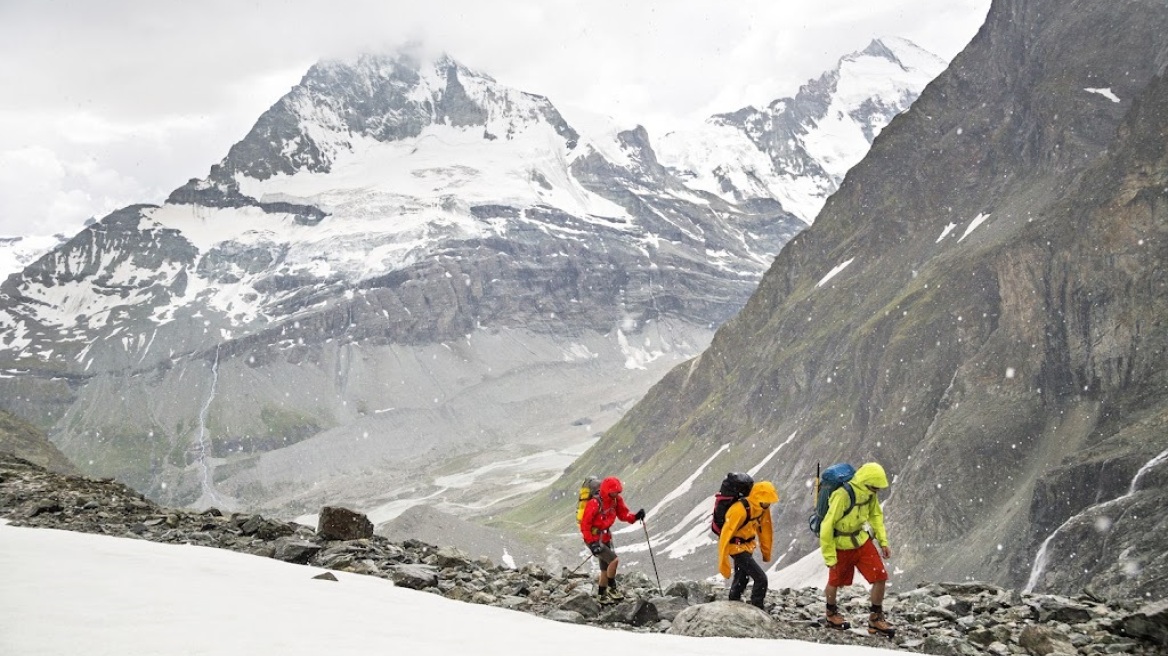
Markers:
point(866, 559)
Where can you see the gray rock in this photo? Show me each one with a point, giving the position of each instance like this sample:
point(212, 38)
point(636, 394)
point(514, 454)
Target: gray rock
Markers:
point(668, 607)
point(1150, 622)
point(730, 619)
point(1043, 641)
point(693, 591)
point(569, 616)
point(451, 557)
point(292, 550)
point(1060, 609)
point(415, 577)
point(583, 603)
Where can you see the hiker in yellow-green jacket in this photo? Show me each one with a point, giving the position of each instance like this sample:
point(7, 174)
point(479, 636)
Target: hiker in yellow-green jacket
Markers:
point(847, 546)
point(746, 525)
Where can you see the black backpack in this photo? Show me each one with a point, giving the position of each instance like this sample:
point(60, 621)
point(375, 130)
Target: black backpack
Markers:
point(735, 487)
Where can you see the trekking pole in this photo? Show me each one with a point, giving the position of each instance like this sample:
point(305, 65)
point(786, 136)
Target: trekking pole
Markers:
point(569, 574)
point(652, 558)
point(580, 565)
point(815, 488)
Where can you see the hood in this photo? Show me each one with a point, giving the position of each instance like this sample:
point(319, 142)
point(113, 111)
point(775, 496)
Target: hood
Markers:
point(610, 485)
point(764, 492)
point(869, 473)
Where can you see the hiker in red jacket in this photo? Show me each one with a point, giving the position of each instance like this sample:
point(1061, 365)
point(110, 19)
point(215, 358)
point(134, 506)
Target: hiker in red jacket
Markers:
point(599, 515)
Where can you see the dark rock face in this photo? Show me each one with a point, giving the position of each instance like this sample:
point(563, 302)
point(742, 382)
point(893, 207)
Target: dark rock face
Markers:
point(343, 524)
point(953, 618)
point(996, 337)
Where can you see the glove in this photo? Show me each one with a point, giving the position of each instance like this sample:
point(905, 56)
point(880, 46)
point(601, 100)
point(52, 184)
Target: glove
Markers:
point(595, 547)
point(640, 516)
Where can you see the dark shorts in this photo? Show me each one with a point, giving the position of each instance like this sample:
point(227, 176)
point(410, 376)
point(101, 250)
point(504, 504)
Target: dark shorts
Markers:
point(606, 554)
point(866, 559)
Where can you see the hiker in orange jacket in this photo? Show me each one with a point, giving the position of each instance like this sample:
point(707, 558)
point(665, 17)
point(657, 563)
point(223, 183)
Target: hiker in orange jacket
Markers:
point(746, 525)
point(599, 516)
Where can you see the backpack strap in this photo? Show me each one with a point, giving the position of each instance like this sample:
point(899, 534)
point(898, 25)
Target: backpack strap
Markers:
point(745, 506)
point(851, 507)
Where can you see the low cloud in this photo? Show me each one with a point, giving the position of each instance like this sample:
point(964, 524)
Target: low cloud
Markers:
point(118, 102)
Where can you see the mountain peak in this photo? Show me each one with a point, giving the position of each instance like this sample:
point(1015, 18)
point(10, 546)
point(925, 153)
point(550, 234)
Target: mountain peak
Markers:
point(797, 150)
point(343, 106)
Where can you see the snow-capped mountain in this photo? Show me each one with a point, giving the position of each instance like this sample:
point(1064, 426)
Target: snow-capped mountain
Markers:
point(402, 266)
point(390, 218)
point(367, 169)
point(797, 150)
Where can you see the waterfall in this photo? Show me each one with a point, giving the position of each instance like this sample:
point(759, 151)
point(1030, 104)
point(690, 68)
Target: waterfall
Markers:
point(1040, 558)
point(209, 496)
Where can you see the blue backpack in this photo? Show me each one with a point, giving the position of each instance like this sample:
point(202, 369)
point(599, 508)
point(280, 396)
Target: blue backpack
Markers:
point(832, 479)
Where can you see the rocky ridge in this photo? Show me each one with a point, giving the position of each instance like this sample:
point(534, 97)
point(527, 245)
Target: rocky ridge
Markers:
point(21, 439)
point(937, 618)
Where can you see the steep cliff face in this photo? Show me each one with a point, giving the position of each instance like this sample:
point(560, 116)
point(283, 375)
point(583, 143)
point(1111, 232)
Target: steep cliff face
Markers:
point(981, 307)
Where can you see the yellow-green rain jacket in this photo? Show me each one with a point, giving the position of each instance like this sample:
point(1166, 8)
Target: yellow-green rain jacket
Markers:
point(844, 529)
point(749, 530)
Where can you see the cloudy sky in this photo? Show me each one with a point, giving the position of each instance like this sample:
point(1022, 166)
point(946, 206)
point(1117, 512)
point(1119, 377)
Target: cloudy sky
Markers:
point(104, 104)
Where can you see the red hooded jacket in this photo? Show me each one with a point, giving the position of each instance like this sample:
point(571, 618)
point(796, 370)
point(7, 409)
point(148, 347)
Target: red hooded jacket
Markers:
point(600, 513)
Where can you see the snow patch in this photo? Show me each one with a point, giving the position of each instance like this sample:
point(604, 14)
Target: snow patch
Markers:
point(977, 221)
point(831, 274)
point(1105, 92)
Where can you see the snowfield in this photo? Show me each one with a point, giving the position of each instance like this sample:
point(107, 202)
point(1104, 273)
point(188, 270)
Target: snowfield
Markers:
point(70, 593)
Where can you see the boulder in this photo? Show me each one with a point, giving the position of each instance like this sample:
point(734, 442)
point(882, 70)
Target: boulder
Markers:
point(1149, 623)
point(730, 619)
point(415, 577)
point(343, 524)
point(291, 550)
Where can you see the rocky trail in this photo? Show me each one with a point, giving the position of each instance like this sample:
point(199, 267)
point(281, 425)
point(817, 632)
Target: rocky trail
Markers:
point(934, 618)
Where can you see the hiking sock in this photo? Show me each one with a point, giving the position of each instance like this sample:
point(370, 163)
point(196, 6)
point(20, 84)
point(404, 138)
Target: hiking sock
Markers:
point(878, 610)
point(612, 582)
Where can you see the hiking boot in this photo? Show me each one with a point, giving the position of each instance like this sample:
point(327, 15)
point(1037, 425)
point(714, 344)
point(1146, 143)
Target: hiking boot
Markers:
point(833, 619)
point(615, 595)
point(603, 598)
point(878, 625)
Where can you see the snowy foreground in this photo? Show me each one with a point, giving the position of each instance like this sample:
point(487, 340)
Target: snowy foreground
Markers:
point(69, 593)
